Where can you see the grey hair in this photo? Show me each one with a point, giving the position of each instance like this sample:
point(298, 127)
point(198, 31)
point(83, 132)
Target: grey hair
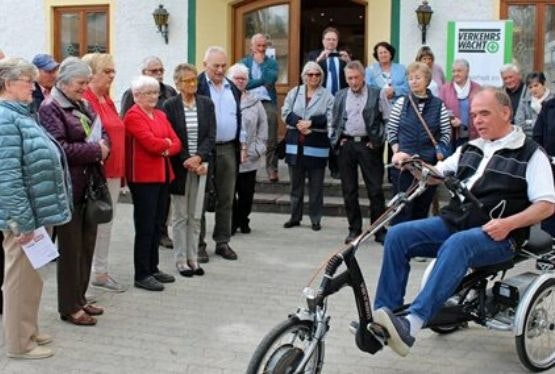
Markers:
point(213, 50)
point(13, 68)
point(421, 67)
point(238, 68)
point(258, 36)
point(355, 65)
point(72, 68)
point(311, 65)
point(500, 95)
point(462, 62)
point(509, 67)
point(143, 81)
point(181, 69)
point(149, 61)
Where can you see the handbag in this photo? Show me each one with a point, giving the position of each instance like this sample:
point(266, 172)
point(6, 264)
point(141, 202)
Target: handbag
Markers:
point(440, 154)
point(98, 202)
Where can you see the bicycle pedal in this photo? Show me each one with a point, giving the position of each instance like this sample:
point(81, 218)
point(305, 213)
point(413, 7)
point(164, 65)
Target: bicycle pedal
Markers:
point(378, 331)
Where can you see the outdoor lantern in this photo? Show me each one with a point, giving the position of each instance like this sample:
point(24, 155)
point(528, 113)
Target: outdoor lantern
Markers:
point(161, 16)
point(424, 15)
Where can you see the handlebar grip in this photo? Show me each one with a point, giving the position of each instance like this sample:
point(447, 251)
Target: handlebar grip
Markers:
point(455, 185)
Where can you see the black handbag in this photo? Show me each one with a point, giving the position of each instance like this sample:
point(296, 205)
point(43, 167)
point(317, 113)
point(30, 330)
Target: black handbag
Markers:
point(98, 202)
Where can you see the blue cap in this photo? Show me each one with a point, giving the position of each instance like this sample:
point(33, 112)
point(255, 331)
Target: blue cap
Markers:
point(45, 62)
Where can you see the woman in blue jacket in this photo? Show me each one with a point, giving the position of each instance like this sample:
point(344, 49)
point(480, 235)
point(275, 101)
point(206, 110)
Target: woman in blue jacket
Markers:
point(35, 191)
point(307, 110)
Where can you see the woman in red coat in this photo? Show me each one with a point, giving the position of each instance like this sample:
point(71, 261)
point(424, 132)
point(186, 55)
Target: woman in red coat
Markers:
point(149, 144)
point(98, 96)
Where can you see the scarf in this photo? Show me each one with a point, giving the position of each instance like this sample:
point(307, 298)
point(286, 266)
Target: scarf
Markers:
point(464, 91)
point(536, 103)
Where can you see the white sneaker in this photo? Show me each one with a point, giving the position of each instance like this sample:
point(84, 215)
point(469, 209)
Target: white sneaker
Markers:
point(35, 353)
point(109, 284)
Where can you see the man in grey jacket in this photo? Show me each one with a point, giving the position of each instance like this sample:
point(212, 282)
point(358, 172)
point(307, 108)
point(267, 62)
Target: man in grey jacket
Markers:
point(358, 139)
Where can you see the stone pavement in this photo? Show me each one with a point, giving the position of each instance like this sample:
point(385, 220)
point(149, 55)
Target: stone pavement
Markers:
point(212, 324)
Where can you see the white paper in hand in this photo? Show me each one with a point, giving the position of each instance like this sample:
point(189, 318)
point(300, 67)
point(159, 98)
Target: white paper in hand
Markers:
point(40, 251)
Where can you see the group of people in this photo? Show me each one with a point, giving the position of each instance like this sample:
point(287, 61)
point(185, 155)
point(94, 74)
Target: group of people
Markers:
point(60, 127)
point(198, 147)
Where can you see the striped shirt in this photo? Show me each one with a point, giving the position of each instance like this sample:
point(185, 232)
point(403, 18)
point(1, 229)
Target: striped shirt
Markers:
point(395, 121)
point(191, 120)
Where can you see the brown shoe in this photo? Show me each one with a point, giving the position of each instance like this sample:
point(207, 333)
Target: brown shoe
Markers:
point(92, 310)
point(273, 176)
point(83, 320)
point(225, 251)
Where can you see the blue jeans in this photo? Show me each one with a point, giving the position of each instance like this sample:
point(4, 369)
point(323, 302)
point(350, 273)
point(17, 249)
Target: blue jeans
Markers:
point(456, 252)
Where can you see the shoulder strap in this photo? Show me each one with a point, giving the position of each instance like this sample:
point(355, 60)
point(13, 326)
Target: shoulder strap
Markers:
point(422, 121)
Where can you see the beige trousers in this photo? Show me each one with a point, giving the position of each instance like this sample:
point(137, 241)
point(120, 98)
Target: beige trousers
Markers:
point(22, 292)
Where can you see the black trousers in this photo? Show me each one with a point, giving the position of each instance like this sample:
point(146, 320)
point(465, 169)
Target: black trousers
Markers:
point(244, 195)
point(149, 203)
point(298, 174)
point(351, 156)
point(417, 208)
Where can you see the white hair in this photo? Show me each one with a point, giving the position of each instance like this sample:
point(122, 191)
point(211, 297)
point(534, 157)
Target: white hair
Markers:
point(141, 82)
point(213, 50)
point(149, 61)
point(462, 62)
point(238, 68)
point(257, 36)
point(509, 67)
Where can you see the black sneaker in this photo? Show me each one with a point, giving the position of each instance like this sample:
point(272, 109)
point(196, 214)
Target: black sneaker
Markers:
point(150, 284)
point(162, 277)
point(380, 236)
point(352, 236)
point(398, 329)
point(316, 226)
point(291, 223)
point(202, 255)
point(166, 242)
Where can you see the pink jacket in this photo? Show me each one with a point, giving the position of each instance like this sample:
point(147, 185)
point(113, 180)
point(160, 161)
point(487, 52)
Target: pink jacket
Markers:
point(448, 94)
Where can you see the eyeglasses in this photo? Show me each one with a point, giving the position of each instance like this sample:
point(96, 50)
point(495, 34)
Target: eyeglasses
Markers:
point(28, 81)
point(156, 71)
point(310, 75)
point(151, 93)
point(189, 80)
point(239, 78)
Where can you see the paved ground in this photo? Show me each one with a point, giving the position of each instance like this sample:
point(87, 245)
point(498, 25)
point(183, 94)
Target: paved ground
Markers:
point(212, 324)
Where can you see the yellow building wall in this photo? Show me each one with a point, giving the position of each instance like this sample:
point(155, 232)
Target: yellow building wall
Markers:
point(213, 26)
point(378, 24)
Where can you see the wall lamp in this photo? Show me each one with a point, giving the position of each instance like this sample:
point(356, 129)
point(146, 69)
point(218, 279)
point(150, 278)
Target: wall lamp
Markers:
point(161, 16)
point(424, 16)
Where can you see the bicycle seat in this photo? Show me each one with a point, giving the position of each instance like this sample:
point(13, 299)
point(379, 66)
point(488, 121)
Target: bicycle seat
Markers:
point(539, 242)
point(494, 268)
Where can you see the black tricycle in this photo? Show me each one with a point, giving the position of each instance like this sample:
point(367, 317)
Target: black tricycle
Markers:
point(523, 305)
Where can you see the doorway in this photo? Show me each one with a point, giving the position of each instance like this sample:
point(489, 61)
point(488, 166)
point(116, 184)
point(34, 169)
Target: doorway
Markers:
point(349, 17)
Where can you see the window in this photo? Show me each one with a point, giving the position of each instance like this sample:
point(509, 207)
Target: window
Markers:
point(80, 30)
point(533, 34)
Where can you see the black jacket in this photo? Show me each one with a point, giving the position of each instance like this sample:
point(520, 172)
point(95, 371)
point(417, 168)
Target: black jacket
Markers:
point(206, 136)
point(38, 98)
point(342, 81)
point(544, 129)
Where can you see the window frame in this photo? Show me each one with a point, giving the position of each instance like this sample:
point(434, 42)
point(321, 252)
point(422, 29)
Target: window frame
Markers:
point(539, 37)
point(83, 11)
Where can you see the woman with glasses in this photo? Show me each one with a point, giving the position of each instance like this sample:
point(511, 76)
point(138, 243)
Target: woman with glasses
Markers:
point(254, 125)
point(98, 95)
point(151, 141)
point(193, 119)
point(35, 191)
point(307, 111)
point(70, 120)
